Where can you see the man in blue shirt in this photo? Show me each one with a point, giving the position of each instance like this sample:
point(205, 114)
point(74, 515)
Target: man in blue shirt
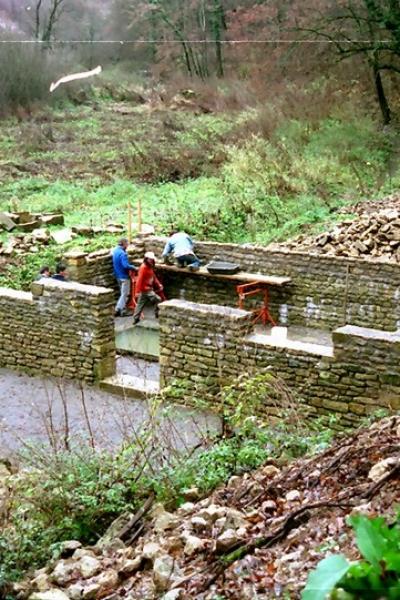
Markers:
point(181, 246)
point(122, 267)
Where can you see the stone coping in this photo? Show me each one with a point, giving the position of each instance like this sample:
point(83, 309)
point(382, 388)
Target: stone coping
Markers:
point(68, 286)
point(367, 334)
point(294, 345)
point(15, 294)
point(206, 309)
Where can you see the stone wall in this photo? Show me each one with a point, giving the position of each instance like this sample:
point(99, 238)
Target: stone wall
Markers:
point(208, 346)
point(197, 339)
point(95, 268)
point(59, 329)
point(326, 292)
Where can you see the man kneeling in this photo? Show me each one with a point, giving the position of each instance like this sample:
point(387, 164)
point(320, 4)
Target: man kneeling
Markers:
point(146, 287)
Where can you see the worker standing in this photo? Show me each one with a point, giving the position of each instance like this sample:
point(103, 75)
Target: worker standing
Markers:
point(181, 246)
point(148, 288)
point(122, 266)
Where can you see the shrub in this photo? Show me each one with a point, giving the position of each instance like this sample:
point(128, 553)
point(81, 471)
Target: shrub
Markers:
point(74, 492)
point(24, 75)
point(376, 577)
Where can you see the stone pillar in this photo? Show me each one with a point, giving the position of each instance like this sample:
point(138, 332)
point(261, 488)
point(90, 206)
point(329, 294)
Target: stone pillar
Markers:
point(199, 343)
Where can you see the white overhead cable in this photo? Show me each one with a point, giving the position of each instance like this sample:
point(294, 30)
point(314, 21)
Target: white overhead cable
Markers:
point(278, 41)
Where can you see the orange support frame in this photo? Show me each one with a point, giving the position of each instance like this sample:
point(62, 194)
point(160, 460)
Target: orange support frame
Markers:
point(132, 298)
point(251, 289)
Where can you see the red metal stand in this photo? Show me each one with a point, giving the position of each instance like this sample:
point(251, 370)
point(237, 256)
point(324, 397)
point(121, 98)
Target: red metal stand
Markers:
point(132, 298)
point(251, 289)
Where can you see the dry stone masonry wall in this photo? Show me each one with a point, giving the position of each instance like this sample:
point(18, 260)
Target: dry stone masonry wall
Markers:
point(96, 268)
point(59, 329)
point(204, 347)
point(326, 291)
point(198, 342)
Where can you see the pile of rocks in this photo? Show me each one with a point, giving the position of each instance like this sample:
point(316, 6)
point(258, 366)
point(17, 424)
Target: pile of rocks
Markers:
point(370, 206)
point(30, 243)
point(27, 221)
point(374, 236)
point(269, 526)
point(151, 564)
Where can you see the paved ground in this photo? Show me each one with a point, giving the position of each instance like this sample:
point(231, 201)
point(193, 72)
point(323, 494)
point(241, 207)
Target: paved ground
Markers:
point(39, 410)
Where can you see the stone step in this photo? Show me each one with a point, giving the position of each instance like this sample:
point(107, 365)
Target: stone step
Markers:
point(130, 386)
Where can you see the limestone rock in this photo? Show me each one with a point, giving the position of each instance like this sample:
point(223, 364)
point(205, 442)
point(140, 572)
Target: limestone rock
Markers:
point(199, 523)
point(186, 508)
point(107, 580)
point(165, 572)
point(227, 540)
point(269, 506)
point(89, 566)
point(7, 222)
point(270, 471)
point(293, 496)
point(193, 545)
point(131, 565)
point(191, 494)
point(212, 513)
point(62, 236)
point(381, 468)
point(165, 521)
point(76, 591)
point(175, 594)
point(151, 550)
point(41, 583)
point(68, 548)
point(52, 594)
point(63, 572)
point(54, 219)
point(235, 519)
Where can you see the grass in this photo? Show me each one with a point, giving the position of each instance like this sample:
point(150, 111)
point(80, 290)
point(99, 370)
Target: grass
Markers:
point(219, 176)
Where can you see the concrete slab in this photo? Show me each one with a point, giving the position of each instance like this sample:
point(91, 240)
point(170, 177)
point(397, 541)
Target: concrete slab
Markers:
point(302, 339)
point(142, 339)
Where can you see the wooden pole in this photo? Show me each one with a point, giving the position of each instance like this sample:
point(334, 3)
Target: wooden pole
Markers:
point(139, 212)
point(129, 222)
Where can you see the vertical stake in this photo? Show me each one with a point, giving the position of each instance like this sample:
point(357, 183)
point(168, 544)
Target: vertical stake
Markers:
point(139, 212)
point(129, 222)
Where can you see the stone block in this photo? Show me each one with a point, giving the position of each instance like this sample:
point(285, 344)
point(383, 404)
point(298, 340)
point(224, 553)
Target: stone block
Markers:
point(336, 406)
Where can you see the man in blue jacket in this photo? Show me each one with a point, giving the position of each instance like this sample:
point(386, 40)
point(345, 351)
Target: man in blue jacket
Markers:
point(122, 267)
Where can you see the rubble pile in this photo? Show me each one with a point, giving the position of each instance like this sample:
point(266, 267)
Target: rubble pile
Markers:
point(257, 537)
point(372, 236)
point(30, 243)
point(370, 206)
point(27, 221)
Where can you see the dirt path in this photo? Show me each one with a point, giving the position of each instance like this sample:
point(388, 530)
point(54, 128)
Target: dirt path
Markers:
point(35, 409)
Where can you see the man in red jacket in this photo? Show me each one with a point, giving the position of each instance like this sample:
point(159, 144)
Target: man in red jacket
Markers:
point(146, 287)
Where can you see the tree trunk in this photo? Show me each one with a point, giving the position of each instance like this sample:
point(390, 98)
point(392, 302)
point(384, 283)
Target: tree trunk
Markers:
point(37, 19)
point(218, 24)
point(380, 91)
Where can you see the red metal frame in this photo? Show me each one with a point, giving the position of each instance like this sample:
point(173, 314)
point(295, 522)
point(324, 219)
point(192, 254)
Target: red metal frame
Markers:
point(132, 298)
point(251, 289)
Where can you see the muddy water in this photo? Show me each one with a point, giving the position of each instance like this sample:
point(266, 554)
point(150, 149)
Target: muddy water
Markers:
point(41, 410)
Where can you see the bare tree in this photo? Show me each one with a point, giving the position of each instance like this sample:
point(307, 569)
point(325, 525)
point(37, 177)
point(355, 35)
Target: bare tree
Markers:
point(47, 15)
point(366, 28)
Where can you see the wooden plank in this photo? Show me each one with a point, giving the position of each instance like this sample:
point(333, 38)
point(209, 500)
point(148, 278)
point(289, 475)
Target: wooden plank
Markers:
point(242, 276)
